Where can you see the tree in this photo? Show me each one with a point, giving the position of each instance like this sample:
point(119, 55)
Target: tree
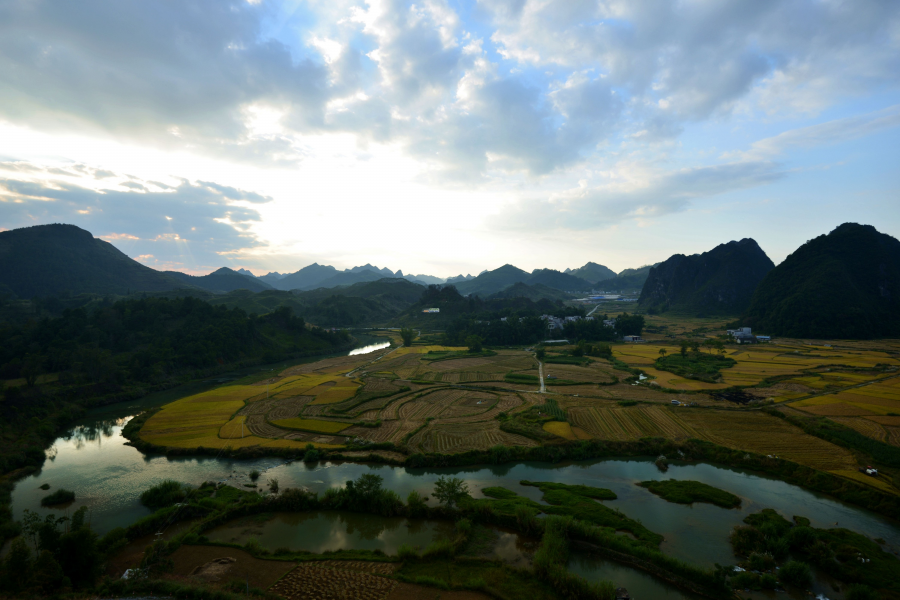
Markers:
point(450, 490)
point(709, 344)
point(579, 349)
point(408, 335)
point(695, 346)
point(662, 352)
point(540, 353)
point(31, 369)
point(684, 348)
point(474, 342)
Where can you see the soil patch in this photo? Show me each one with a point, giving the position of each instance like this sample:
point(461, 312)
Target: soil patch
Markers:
point(410, 591)
point(259, 573)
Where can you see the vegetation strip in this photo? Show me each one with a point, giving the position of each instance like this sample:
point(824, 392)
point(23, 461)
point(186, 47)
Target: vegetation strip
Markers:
point(688, 492)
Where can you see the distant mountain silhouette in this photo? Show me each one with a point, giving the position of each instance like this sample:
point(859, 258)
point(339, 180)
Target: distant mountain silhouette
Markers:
point(49, 260)
point(592, 272)
point(534, 292)
point(627, 280)
point(491, 282)
point(556, 280)
point(307, 277)
point(842, 285)
point(720, 281)
point(222, 280)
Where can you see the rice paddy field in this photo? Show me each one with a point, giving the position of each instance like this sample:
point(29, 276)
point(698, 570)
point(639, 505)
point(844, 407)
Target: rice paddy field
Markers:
point(431, 398)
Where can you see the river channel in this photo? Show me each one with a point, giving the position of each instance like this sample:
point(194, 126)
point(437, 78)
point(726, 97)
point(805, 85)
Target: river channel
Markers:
point(108, 476)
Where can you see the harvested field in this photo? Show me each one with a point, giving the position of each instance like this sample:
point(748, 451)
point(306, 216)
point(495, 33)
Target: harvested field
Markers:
point(864, 426)
point(767, 435)
point(589, 374)
point(505, 404)
point(385, 433)
point(258, 425)
point(874, 482)
point(460, 364)
point(259, 573)
point(462, 437)
point(612, 422)
point(327, 581)
point(260, 407)
point(287, 408)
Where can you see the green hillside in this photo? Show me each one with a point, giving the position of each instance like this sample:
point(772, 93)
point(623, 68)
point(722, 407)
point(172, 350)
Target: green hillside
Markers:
point(492, 282)
point(125, 350)
point(593, 272)
point(48, 260)
point(560, 281)
point(532, 292)
point(222, 280)
point(720, 281)
point(842, 285)
point(629, 280)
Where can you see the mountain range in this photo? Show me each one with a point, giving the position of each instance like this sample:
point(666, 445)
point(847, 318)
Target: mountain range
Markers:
point(842, 285)
point(720, 281)
point(845, 284)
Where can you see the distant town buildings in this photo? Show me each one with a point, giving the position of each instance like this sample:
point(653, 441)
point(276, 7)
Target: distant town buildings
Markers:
point(431, 310)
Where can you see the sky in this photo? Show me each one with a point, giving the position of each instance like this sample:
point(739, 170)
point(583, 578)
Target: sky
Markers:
point(444, 137)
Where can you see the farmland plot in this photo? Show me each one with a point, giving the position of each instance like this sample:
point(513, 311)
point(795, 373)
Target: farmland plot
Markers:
point(764, 434)
point(630, 423)
point(460, 437)
point(333, 581)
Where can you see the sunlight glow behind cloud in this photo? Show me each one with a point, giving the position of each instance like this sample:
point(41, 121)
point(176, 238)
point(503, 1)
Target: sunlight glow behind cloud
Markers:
point(445, 137)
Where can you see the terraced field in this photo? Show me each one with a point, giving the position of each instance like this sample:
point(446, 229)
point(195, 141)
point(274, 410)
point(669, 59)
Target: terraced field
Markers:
point(319, 403)
point(462, 437)
point(832, 366)
point(612, 422)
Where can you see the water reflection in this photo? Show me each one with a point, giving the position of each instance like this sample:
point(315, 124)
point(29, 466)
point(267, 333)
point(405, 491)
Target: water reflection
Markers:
point(332, 530)
point(369, 348)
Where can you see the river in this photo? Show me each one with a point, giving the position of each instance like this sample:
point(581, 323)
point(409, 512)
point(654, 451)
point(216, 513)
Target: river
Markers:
point(108, 476)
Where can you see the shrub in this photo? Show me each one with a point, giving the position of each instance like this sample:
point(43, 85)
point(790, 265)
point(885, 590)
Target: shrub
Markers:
point(745, 581)
point(405, 552)
point(415, 504)
point(768, 581)
point(795, 573)
point(254, 475)
point(862, 592)
point(163, 494)
point(60, 496)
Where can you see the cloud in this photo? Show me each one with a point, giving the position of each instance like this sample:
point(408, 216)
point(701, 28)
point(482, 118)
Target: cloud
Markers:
point(825, 134)
point(190, 224)
point(643, 195)
point(170, 72)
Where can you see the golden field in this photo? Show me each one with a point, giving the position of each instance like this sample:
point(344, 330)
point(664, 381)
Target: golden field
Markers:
point(453, 405)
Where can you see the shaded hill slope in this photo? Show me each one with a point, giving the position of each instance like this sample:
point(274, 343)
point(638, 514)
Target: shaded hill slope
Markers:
point(222, 280)
point(842, 285)
point(532, 292)
point(627, 280)
point(592, 272)
point(721, 281)
point(47, 260)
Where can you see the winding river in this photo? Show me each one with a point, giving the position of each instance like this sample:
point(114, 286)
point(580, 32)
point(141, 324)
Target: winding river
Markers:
point(108, 476)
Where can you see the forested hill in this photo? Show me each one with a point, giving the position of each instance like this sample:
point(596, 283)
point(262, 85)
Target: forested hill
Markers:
point(720, 281)
point(47, 260)
point(124, 350)
point(842, 285)
point(222, 280)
